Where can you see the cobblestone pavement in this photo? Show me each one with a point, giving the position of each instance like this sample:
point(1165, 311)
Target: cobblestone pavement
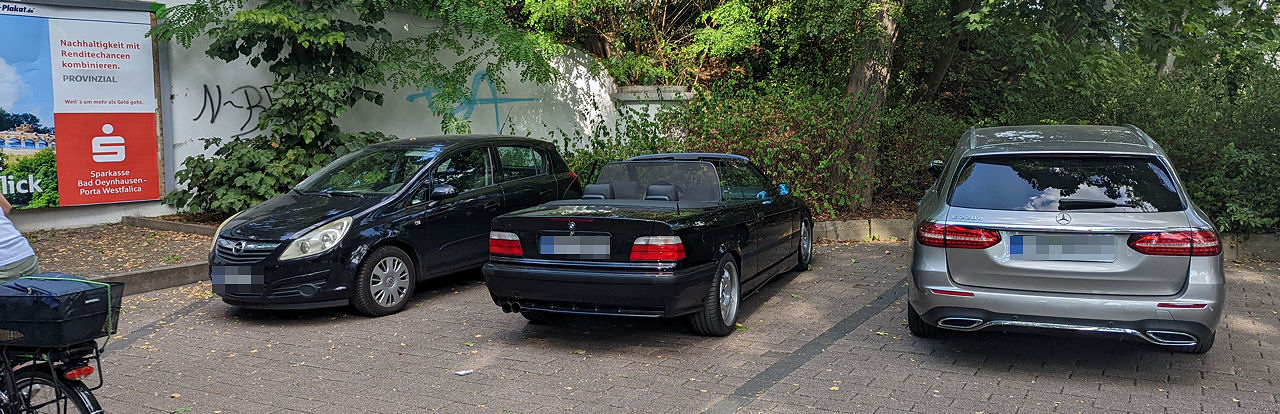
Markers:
point(833, 338)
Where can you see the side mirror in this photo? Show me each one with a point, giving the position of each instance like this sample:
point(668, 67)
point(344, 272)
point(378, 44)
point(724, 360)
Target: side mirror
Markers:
point(784, 189)
point(935, 167)
point(443, 191)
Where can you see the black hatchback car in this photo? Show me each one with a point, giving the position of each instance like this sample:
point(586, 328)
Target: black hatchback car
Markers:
point(364, 229)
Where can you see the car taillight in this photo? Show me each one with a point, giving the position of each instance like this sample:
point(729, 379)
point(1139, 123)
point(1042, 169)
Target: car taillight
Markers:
point(657, 248)
point(574, 175)
point(1177, 243)
point(78, 373)
point(503, 243)
point(960, 237)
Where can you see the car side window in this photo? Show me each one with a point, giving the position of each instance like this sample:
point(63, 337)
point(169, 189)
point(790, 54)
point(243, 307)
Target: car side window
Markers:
point(740, 182)
point(467, 170)
point(521, 162)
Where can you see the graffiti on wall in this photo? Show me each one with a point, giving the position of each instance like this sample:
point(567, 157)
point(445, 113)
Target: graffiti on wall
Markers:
point(465, 109)
point(245, 102)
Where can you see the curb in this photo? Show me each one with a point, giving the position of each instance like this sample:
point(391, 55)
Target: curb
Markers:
point(144, 281)
point(882, 229)
point(165, 225)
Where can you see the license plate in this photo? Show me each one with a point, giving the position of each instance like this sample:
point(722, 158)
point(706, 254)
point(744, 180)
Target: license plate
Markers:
point(1074, 248)
point(586, 247)
point(237, 280)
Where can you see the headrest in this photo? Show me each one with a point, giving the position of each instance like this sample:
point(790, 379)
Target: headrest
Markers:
point(664, 192)
point(597, 191)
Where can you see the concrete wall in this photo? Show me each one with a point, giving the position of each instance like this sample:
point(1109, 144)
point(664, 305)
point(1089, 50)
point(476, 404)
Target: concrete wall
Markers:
point(208, 98)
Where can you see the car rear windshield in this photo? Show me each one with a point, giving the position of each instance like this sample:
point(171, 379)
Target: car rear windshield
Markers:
point(636, 180)
point(1059, 183)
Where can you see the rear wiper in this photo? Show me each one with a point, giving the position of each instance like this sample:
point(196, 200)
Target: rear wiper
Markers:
point(1077, 204)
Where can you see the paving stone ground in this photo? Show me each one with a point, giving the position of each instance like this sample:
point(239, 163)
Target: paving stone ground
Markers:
point(835, 337)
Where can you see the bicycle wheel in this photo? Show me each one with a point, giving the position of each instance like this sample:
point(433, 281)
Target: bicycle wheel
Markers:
point(44, 394)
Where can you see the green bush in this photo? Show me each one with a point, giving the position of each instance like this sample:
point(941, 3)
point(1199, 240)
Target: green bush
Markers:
point(794, 132)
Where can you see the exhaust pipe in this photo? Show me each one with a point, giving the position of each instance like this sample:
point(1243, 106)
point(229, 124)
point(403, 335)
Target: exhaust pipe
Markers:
point(1172, 338)
point(515, 307)
point(506, 307)
point(959, 323)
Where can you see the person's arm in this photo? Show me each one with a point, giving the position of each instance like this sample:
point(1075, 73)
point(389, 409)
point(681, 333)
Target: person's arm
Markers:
point(4, 205)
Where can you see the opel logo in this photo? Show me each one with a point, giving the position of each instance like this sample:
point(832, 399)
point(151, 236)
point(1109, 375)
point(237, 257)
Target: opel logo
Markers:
point(238, 248)
point(1064, 218)
point(572, 226)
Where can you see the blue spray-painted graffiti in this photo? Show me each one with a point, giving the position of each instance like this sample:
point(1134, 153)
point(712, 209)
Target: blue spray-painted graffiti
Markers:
point(466, 108)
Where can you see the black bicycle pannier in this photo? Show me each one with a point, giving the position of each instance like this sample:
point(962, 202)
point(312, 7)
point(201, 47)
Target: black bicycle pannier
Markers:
point(55, 310)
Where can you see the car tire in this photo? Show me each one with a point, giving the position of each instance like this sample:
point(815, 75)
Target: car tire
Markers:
point(805, 253)
point(919, 328)
point(540, 317)
point(719, 311)
point(1199, 348)
point(384, 283)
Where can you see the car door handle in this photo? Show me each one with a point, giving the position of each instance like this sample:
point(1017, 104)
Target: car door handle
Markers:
point(545, 193)
point(491, 207)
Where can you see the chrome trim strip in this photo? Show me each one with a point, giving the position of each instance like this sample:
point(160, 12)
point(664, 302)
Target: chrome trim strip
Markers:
point(1062, 228)
point(1082, 328)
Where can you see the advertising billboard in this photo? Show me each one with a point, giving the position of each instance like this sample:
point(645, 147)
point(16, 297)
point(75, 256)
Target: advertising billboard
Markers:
point(77, 106)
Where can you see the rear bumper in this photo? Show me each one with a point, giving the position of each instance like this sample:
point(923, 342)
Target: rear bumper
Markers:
point(576, 288)
point(1156, 331)
point(1005, 309)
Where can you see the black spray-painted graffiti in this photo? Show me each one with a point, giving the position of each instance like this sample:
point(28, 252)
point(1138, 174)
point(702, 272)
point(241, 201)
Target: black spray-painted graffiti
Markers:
point(247, 101)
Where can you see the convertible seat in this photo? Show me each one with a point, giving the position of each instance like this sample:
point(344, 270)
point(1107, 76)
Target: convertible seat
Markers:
point(663, 192)
point(597, 192)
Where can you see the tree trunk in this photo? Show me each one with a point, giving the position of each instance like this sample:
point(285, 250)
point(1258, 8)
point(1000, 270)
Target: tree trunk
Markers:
point(943, 63)
point(868, 84)
point(1167, 66)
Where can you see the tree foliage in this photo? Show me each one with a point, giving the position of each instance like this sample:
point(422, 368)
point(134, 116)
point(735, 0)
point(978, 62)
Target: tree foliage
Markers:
point(327, 56)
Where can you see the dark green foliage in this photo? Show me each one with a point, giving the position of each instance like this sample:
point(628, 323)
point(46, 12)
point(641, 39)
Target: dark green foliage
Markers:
point(327, 56)
point(790, 130)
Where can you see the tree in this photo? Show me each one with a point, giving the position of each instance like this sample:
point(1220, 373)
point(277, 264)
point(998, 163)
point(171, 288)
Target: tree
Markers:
point(326, 56)
point(866, 91)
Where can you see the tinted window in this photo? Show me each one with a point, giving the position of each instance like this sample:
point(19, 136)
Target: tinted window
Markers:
point(741, 182)
point(521, 162)
point(370, 171)
point(1138, 184)
point(467, 170)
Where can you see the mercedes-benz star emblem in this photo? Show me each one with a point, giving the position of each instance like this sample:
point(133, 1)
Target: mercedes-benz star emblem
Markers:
point(238, 248)
point(1064, 218)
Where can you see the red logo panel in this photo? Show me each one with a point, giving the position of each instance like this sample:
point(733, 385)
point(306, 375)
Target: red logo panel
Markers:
point(107, 158)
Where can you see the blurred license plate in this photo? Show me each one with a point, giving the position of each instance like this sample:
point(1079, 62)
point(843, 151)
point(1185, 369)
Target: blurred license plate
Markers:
point(1075, 248)
point(587, 247)
point(237, 280)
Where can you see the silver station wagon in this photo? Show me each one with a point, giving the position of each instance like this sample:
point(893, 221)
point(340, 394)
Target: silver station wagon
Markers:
point(1069, 229)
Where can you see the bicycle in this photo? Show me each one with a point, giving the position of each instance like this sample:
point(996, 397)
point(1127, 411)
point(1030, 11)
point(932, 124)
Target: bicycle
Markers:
point(48, 379)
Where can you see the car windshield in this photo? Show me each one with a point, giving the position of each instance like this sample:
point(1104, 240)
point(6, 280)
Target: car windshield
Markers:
point(1049, 183)
point(381, 170)
point(649, 180)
